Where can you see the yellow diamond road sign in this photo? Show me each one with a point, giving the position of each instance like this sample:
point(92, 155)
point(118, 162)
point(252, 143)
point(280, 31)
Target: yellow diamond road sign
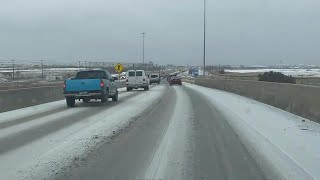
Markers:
point(118, 68)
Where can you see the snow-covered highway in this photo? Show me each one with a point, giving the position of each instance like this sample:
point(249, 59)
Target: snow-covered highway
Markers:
point(168, 132)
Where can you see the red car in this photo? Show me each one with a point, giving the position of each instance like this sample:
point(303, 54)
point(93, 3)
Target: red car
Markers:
point(175, 80)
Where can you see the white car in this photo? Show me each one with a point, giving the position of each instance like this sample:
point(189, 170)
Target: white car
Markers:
point(154, 78)
point(137, 79)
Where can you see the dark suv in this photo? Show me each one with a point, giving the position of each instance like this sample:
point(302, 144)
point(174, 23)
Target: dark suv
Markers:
point(175, 80)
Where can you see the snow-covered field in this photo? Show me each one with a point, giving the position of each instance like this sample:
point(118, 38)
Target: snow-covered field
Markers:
point(277, 139)
point(292, 72)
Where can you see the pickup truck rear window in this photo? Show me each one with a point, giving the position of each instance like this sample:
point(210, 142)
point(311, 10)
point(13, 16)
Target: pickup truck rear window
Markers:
point(154, 76)
point(91, 75)
point(139, 73)
point(132, 73)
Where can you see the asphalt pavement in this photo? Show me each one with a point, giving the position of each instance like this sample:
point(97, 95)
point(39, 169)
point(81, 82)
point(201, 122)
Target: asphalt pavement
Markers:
point(172, 140)
point(175, 134)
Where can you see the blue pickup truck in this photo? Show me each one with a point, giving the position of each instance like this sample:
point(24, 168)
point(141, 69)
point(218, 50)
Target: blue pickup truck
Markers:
point(90, 84)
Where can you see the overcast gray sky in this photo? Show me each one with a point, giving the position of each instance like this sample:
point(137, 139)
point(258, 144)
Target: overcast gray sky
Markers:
point(251, 32)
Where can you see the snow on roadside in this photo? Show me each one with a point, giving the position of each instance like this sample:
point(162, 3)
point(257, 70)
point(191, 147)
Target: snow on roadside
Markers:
point(30, 111)
point(46, 143)
point(37, 109)
point(123, 89)
point(69, 145)
point(281, 142)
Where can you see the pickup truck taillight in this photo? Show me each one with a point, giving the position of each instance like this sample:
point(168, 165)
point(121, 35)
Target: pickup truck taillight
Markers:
point(101, 84)
point(64, 85)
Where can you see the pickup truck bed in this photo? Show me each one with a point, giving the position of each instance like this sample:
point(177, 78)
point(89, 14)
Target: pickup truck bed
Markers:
point(78, 85)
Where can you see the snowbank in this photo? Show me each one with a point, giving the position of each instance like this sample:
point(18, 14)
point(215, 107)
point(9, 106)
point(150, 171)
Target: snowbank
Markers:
point(286, 146)
point(30, 111)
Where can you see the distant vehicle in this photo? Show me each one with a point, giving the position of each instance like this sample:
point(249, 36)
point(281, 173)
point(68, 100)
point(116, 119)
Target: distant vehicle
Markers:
point(175, 80)
point(91, 84)
point(115, 77)
point(137, 79)
point(170, 76)
point(154, 78)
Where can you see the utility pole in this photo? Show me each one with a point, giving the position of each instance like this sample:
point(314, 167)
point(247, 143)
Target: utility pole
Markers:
point(12, 70)
point(85, 64)
point(42, 69)
point(204, 37)
point(143, 35)
point(79, 64)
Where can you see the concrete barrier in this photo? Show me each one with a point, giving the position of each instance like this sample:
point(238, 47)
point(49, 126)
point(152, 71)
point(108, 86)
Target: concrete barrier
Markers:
point(25, 97)
point(20, 98)
point(298, 99)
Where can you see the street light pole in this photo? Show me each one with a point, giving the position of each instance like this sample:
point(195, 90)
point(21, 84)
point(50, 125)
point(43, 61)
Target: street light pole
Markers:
point(204, 37)
point(12, 70)
point(143, 35)
point(41, 69)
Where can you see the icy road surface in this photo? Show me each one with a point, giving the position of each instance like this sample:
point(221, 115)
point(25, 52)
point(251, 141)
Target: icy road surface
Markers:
point(168, 132)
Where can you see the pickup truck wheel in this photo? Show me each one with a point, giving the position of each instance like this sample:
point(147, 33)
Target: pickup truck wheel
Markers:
point(70, 101)
point(145, 88)
point(105, 98)
point(159, 82)
point(115, 97)
point(129, 89)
